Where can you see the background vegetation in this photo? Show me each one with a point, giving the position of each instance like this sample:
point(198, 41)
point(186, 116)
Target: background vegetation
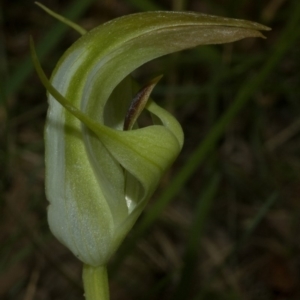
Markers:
point(224, 223)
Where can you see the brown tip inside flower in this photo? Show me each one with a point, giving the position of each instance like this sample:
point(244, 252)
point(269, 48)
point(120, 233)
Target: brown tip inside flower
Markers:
point(138, 103)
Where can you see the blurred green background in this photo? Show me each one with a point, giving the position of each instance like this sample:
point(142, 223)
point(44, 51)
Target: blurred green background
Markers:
point(224, 223)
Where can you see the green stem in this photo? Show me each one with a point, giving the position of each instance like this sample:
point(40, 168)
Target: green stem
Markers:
point(95, 283)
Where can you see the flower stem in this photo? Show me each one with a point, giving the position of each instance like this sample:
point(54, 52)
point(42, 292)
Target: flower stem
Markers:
point(95, 283)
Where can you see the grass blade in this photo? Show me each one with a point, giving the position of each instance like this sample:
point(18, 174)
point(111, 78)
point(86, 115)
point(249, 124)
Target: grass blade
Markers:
point(46, 45)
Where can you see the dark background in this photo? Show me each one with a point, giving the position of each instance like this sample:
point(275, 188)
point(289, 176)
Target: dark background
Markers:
point(224, 223)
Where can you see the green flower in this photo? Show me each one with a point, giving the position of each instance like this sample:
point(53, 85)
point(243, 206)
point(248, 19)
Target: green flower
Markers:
point(100, 173)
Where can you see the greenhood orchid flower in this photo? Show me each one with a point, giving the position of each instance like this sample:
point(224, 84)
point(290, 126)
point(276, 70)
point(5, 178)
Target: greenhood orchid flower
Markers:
point(101, 169)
